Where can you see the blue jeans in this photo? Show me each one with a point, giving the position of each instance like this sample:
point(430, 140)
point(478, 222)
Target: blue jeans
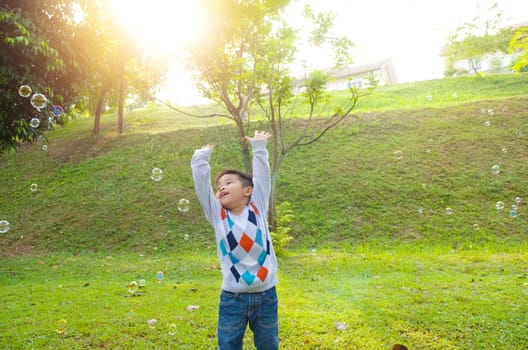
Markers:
point(236, 310)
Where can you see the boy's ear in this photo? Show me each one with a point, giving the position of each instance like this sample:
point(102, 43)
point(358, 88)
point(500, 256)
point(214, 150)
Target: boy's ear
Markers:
point(248, 190)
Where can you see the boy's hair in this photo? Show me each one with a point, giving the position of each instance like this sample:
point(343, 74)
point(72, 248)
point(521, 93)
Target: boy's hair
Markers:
point(245, 179)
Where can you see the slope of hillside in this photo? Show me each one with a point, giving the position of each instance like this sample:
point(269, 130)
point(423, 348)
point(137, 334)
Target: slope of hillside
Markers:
point(405, 168)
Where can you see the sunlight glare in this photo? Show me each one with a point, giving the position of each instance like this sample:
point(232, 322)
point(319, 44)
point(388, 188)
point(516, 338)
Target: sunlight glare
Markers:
point(159, 24)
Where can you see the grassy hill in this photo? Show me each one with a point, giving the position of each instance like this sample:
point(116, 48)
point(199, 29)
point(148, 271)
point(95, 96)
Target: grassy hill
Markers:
point(375, 248)
point(95, 194)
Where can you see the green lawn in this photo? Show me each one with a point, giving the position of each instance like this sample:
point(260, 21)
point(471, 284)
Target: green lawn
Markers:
point(374, 245)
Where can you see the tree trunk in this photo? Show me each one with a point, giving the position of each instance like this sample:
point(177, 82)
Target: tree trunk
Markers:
point(121, 102)
point(278, 158)
point(244, 146)
point(98, 112)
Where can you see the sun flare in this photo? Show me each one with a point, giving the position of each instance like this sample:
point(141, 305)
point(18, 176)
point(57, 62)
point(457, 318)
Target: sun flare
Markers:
point(159, 24)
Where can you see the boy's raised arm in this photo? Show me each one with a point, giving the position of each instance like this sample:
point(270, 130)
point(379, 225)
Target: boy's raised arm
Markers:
point(261, 169)
point(202, 179)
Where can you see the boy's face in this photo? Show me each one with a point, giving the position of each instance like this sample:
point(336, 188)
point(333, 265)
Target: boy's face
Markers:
point(230, 192)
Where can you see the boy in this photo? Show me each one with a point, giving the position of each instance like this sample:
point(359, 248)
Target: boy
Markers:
point(248, 263)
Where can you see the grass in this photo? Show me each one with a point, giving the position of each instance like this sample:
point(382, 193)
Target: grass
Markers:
point(373, 246)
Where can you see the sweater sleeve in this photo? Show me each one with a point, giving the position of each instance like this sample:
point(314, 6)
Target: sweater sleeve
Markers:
point(201, 172)
point(261, 174)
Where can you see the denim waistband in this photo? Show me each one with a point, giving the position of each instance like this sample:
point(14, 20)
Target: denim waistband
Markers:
point(246, 293)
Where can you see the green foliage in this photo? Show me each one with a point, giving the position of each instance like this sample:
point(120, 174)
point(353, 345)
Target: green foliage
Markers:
point(25, 58)
point(281, 236)
point(473, 40)
point(519, 45)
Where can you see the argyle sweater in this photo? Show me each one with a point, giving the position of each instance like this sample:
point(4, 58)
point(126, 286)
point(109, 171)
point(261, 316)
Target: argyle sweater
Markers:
point(244, 246)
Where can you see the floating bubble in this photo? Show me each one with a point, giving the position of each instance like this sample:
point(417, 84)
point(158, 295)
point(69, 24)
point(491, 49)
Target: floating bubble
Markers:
point(183, 205)
point(57, 110)
point(44, 147)
point(449, 211)
point(152, 323)
point(157, 174)
point(34, 122)
point(514, 207)
point(518, 200)
point(186, 236)
point(398, 154)
point(132, 287)
point(429, 98)
point(455, 95)
point(490, 112)
point(504, 150)
point(420, 211)
point(142, 283)
point(487, 123)
point(33, 187)
point(159, 276)
point(495, 169)
point(4, 226)
point(499, 205)
point(476, 226)
point(513, 213)
point(39, 101)
point(24, 90)
point(62, 326)
point(172, 329)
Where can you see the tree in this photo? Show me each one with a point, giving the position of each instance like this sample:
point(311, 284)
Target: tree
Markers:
point(519, 44)
point(31, 35)
point(473, 40)
point(244, 63)
point(120, 67)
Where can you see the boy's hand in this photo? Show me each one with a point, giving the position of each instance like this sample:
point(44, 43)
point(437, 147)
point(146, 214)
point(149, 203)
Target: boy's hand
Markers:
point(259, 135)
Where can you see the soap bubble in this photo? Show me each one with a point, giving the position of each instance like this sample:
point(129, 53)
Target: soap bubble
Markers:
point(504, 150)
point(4, 226)
point(420, 211)
point(57, 110)
point(142, 283)
point(159, 276)
point(132, 287)
point(39, 101)
point(518, 200)
point(429, 98)
point(24, 90)
point(449, 211)
point(455, 95)
point(487, 123)
point(62, 326)
point(495, 169)
point(490, 112)
point(186, 236)
point(513, 213)
point(499, 205)
point(157, 174)
point(183, 205)
point(44, 147)
point(35, 122)
point(514, 207)
point(172, 329)
point(33, 187)
point(398, 154)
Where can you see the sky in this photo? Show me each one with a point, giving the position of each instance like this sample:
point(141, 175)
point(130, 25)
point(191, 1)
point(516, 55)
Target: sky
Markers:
point(410, 32)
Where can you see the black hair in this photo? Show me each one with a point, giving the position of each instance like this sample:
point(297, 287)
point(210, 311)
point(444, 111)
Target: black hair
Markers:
point(245, 179)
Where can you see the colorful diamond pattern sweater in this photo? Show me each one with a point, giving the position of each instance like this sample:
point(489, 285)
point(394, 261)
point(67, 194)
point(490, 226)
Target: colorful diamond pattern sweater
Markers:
point(244, 246)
